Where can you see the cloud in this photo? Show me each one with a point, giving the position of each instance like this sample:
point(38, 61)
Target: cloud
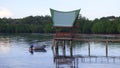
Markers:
point(4, 12)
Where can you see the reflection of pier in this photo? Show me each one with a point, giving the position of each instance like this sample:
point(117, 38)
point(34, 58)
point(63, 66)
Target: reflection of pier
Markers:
point(73, 62)
point(65, 61)
point(97, 59)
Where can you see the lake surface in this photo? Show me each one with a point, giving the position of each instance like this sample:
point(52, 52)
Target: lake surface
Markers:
point(14, 53)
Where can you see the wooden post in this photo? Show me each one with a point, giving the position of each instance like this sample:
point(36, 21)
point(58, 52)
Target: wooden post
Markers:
point(63, 47)
point(56, 48)
point(106, 48)
point(53, 48)
point(71, 53)
point(88, 48)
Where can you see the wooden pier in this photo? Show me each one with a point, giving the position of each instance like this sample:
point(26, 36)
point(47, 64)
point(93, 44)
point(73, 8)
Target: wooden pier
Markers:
point(56, 42)
point(85, 38)
point(76, 59)
point(70, 34)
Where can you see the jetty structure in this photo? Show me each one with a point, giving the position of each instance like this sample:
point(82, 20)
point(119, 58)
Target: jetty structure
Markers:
point(68, 20)
point(64, 20)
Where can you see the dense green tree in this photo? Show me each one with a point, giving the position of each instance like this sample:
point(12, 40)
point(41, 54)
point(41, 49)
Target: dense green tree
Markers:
point(44, 24)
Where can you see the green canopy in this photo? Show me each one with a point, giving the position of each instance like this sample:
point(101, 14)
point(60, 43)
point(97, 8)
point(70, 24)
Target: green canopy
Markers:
point(64, 19)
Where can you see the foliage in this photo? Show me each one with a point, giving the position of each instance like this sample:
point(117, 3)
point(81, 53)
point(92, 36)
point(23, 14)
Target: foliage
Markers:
point(44, 24)
point(30, 24)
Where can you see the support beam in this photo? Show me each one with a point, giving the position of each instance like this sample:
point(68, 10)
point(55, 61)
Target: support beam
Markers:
point(88, 48)
point(56, 48)
point(71, 50)
point(63, 45)
point(106, 48)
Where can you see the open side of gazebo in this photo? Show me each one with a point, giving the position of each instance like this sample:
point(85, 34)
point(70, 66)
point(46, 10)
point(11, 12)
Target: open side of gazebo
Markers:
point(66, 21)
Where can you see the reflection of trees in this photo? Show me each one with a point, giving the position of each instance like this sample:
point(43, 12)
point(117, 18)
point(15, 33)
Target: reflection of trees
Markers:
point(100, 44)
point(27, 38)
point(4, 44)
point(30, 38)
point(78, 44)
point(114, 44)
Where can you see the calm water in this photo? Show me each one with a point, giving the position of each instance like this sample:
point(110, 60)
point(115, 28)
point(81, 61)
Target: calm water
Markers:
point(14, 53)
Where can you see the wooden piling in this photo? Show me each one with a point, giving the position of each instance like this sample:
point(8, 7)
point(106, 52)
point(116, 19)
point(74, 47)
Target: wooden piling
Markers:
point(106, 48)
point(88, 48)
point(56, 48)
point(71, 50)
point(63, 45)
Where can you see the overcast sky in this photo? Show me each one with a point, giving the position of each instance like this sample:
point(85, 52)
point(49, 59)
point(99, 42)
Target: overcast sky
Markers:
point(91, 9)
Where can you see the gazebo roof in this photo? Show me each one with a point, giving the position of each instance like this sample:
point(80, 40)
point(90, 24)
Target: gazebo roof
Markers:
point(64, 19)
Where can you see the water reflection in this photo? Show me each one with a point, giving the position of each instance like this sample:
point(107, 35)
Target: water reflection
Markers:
point(14, 53)
point(37, 50)
point(31, 51)
point(72, 60)
point(62, 61)
point(75, 61)
point(4, 45)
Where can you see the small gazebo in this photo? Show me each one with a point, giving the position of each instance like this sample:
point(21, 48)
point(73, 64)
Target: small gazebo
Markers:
point(64, 20)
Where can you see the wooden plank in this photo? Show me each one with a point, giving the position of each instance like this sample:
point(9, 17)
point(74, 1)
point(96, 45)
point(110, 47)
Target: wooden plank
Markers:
point(96, 40)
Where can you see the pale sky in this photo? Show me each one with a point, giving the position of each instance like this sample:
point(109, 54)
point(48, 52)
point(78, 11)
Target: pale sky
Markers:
point(91, 9)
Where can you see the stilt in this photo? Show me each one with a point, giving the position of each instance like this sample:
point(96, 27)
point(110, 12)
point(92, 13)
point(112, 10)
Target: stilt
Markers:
point(71, 53)
point(88, 48)
point(63, 44)
point(53, 47)
point(106, 48)
point(56, 48)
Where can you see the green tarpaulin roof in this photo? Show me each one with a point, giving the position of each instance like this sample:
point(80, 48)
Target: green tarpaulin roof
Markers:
point(64, 19)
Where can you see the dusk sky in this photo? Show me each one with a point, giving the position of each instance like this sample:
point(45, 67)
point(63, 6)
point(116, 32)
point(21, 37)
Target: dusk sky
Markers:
point(91, 9)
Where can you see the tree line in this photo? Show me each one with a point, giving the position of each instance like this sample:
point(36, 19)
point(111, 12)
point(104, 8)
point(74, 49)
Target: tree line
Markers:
point(44, 24)
point(30, 24)
point(104, 25)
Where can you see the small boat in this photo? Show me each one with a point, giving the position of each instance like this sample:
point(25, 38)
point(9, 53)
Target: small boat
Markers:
point(39, 50)
point(37, 47)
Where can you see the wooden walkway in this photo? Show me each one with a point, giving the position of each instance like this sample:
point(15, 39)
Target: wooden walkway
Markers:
point(88, 40)
point(90, 37)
